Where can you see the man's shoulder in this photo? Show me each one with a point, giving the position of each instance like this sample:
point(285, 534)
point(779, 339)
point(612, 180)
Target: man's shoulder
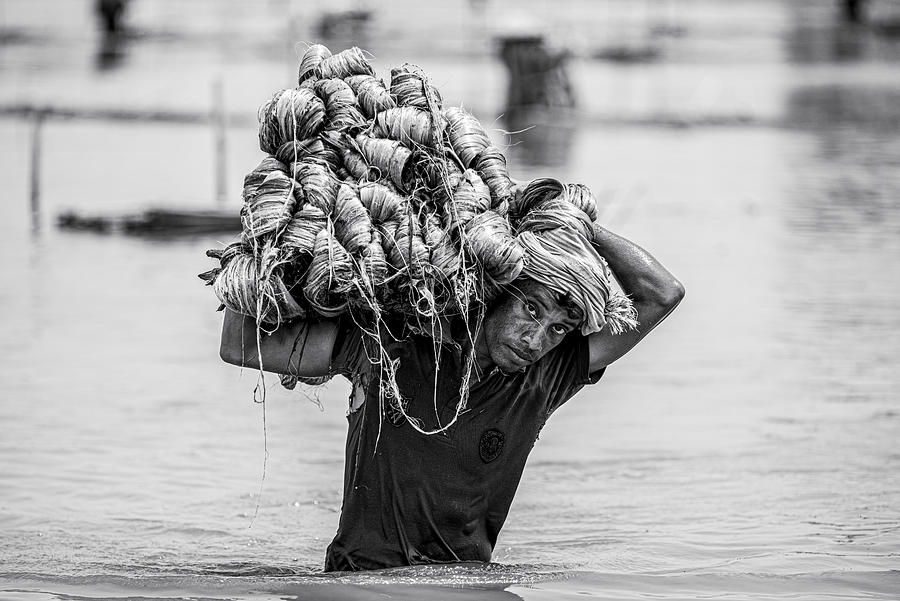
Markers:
point(564, 371)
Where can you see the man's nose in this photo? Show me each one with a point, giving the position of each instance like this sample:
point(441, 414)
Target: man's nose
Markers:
point(534, 337)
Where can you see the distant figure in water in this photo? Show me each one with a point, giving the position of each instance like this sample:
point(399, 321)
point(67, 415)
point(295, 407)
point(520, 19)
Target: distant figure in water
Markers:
point(111, 50)
point(414, 498)
point(853, 10)
point(110, 14)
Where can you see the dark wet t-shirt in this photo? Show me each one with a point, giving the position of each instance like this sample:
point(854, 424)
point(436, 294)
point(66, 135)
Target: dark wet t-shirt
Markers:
point(412, 498)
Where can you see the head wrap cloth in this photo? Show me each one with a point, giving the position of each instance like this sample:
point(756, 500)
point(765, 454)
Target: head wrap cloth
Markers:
point(555, 233)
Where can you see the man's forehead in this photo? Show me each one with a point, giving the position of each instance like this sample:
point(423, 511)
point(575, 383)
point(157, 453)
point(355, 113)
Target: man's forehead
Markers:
point(533, 288)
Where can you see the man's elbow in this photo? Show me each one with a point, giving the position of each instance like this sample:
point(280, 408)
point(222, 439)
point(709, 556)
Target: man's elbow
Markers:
point(675, 294)
point(667, 297)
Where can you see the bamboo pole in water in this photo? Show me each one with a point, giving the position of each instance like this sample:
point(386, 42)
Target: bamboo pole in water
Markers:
point(219, 135)
point(35, 171)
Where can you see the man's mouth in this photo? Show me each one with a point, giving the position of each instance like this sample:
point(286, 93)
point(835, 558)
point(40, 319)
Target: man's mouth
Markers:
point(523, 357)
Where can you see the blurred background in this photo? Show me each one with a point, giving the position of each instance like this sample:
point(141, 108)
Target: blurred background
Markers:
point(746, 449)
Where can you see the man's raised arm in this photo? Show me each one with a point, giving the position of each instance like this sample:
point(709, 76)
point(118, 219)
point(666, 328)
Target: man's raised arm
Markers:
point(654, 291)
point(301, 348)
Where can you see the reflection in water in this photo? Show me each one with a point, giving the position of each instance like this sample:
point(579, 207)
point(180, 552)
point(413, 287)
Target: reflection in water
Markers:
point(842, 244)
point(856, 186)
point(846, 192)
point(111, 51)
point(540, 136)
point(822, 108)
point(819, 34)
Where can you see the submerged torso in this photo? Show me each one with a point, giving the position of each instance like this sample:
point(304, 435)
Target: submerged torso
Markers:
point(412, 498)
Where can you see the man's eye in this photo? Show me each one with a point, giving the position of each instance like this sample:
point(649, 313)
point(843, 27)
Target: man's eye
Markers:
point(559, 330)
point(531, 308)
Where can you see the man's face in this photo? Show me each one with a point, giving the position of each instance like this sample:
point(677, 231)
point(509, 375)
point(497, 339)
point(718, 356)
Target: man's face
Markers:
point(526, 325)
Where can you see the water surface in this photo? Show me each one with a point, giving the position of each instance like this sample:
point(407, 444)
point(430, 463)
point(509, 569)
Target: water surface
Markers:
point(745, 450)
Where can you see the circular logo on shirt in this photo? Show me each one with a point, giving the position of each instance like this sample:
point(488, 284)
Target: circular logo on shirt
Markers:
point(491, 445)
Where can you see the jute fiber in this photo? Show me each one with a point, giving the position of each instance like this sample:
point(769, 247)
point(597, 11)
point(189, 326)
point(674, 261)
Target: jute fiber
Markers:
point(375, 200)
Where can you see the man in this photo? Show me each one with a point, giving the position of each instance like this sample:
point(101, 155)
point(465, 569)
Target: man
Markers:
point(412, 497)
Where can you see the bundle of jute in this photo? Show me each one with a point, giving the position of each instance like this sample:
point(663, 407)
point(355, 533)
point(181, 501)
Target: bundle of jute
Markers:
point(377, 200)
